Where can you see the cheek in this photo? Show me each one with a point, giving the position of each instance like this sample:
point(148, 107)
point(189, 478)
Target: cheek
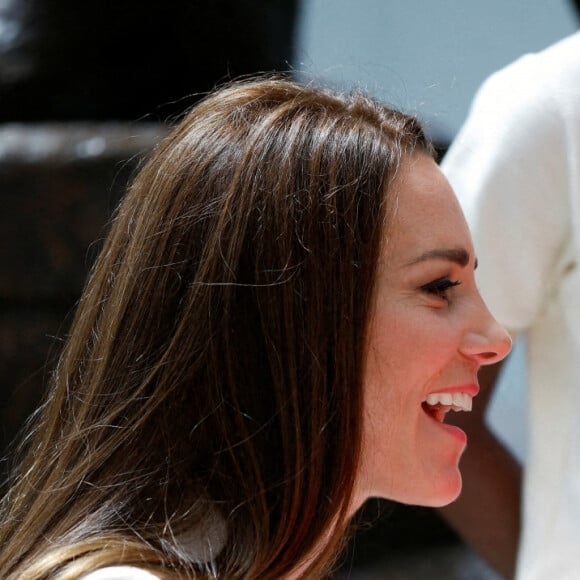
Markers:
point(417, 343)
point(385, 370)
point(406, 358)
point(403, 348)
point(394, 373)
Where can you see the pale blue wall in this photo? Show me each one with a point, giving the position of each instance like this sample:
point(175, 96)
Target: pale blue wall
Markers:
point(426, 56)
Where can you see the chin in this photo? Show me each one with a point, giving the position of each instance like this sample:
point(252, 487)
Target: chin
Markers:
point(426, 494)
point(446, 491)
point(445, 494)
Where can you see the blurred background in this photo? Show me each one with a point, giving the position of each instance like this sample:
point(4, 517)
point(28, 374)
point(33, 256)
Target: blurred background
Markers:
point(86, 90)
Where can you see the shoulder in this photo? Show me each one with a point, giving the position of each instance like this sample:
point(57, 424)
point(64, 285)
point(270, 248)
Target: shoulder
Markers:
point(534, 82)
point(521, 114)
point(120, 573)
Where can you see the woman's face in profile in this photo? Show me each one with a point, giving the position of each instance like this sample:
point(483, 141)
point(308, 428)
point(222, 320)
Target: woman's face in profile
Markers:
point(429, 333)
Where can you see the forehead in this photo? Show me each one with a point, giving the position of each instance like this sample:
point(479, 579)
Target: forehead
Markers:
point(425, 213)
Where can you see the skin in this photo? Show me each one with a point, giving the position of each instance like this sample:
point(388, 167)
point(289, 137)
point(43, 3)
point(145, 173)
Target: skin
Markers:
point(424, 337)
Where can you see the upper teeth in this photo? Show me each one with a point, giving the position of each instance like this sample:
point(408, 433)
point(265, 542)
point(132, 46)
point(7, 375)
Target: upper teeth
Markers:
point(459, 401)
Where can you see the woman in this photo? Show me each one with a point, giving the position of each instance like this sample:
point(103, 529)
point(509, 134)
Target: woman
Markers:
point(279, 319)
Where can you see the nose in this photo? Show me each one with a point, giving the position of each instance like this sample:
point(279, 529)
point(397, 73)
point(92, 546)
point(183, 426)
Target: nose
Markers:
point(488, 342)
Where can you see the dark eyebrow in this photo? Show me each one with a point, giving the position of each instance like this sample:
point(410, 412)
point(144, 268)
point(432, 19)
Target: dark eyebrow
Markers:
point(457, 255)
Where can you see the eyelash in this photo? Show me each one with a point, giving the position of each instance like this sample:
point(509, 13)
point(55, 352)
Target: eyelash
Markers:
point(440, 287)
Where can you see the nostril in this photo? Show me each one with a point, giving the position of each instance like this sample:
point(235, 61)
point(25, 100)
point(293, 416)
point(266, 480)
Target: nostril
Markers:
point(487, 348)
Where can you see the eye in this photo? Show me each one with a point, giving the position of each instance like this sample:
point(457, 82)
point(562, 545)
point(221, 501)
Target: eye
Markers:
point(440, 287)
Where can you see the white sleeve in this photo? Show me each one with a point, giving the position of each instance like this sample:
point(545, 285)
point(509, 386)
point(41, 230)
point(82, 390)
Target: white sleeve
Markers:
point(120, 573)
point(508, 168)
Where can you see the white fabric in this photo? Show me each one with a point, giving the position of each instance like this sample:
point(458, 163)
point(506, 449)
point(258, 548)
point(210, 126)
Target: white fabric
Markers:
point(120, 573)
point(200, 544)
point(516, 168)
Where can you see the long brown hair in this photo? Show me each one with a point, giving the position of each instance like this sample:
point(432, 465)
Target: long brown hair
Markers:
point(214, 362)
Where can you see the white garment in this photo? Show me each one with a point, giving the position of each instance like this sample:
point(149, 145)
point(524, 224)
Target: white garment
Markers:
point(201, 544)
point(515, 166)
point(120, 573)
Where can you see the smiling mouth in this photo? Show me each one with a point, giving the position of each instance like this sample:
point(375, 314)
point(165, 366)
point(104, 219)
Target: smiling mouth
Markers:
point(437, 405)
